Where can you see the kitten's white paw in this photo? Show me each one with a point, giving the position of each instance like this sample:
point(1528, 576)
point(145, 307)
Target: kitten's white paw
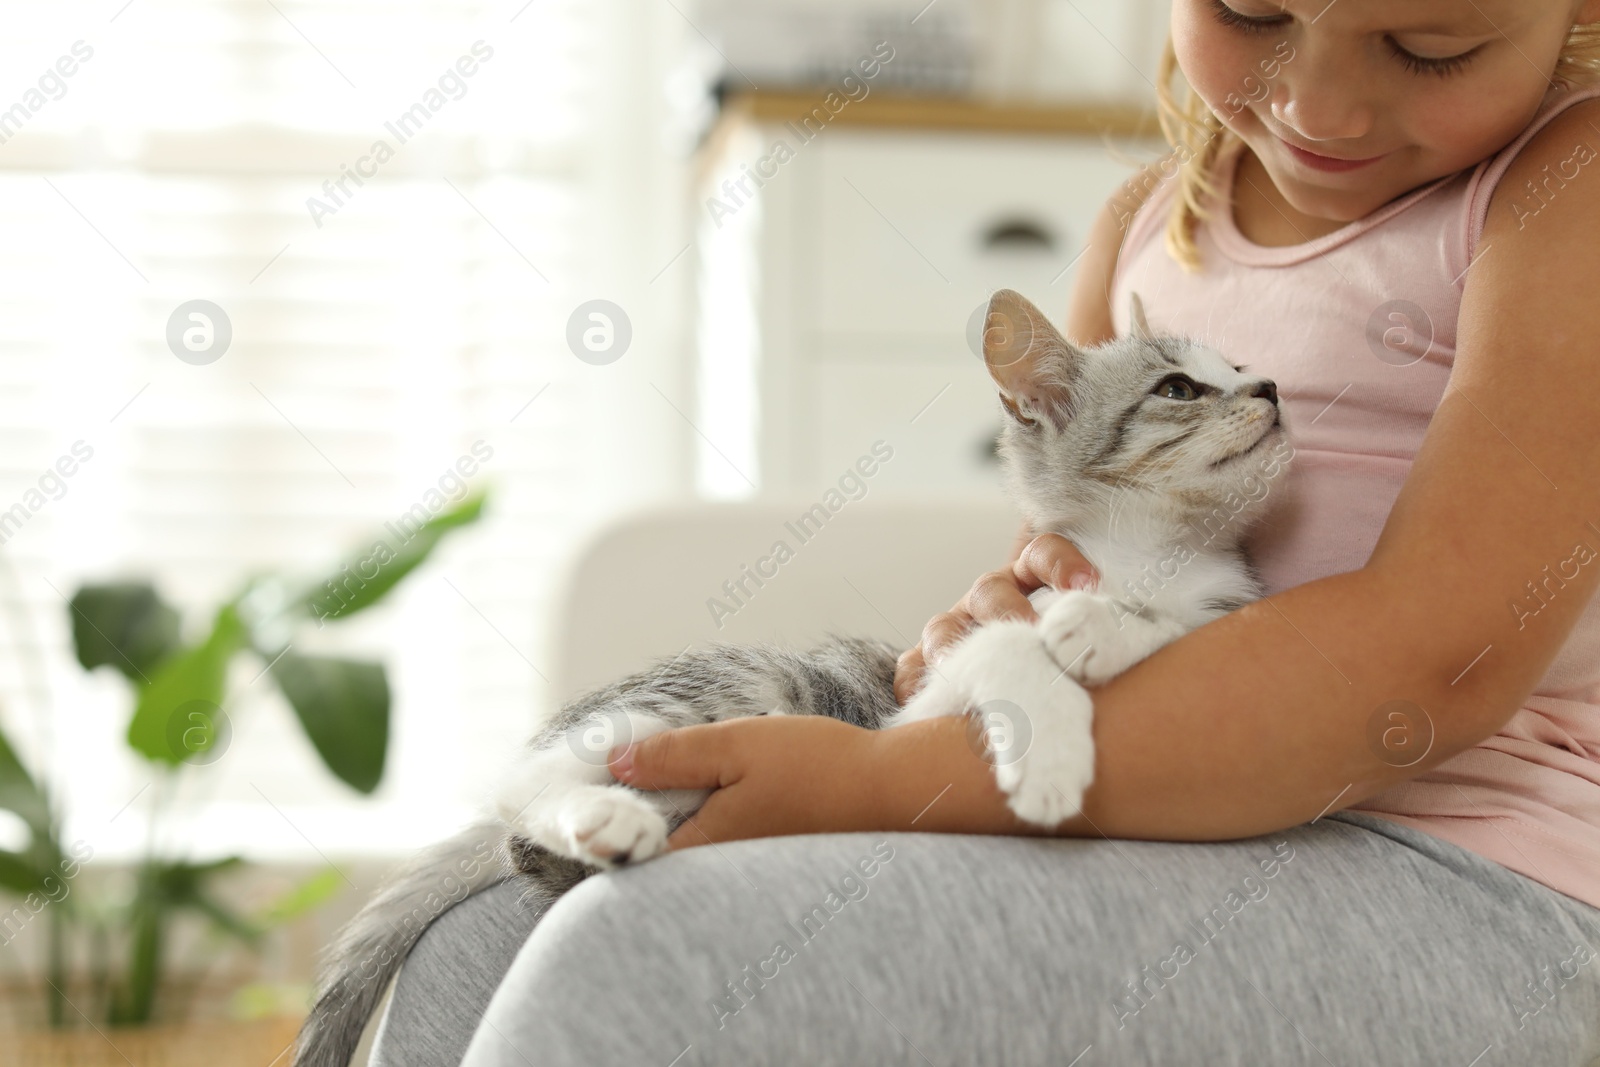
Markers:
point(1046, 792)
point(1045, 779)
point(1085, 637)
point(609, 827)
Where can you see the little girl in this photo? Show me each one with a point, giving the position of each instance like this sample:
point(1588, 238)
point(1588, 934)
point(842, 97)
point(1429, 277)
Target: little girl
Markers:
point(1357, 822)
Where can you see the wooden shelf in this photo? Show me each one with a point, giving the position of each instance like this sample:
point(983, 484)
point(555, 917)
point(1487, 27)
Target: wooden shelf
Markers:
point(948, 113)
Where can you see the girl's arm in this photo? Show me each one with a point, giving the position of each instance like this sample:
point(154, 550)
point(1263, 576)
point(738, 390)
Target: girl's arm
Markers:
point(1276, 713)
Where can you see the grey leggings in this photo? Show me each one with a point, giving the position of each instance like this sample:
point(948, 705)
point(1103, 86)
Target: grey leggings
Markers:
point(1349, 941)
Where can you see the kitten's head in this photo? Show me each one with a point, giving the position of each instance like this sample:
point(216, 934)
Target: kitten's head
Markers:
point(1135, 438)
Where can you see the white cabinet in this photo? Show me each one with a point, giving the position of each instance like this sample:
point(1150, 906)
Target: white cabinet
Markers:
point(861, 267)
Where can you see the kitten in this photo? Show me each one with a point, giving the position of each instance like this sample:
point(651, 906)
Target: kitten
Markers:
point(1132, 451)
point(1151, 454)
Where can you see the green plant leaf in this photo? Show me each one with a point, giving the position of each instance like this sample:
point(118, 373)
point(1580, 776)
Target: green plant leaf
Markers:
point(126, 625)
point(17, 874)
point(133, 999)
point(181, 876)
point(300, 898)
point(344, 707)
point(19, 793)
point(196, 677)
point(224, 918)
point(186, 885)
point(367, 577)
point(268, 1000)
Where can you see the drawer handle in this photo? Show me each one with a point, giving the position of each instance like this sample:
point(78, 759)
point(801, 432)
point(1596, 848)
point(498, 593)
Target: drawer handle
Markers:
point(1018, 235)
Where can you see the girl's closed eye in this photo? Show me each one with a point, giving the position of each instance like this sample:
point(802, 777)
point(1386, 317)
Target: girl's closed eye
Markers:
point(1249, 23)
point(1440, 65)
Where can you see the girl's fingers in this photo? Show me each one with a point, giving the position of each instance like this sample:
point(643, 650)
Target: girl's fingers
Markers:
point(690, 757)
point(908, 674)
point(1052, 560)
point(1048, 559)
point(943, 631)
point(997, 595)
point(688, 836)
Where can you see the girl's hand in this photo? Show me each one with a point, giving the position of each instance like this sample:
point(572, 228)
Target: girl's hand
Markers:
point(773, 775)
point(1048, 559)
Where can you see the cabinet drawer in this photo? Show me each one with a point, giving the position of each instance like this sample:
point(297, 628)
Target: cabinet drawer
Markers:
point(940, 418)
point(914, 231)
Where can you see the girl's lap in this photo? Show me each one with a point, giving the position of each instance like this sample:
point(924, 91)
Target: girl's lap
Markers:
point(1350, 940)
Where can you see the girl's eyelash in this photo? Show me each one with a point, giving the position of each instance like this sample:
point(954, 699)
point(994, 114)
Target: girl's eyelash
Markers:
point(1442, 68)
point(1229, 17)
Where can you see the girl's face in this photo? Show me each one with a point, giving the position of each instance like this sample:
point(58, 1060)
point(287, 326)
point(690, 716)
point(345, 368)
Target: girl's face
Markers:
point(1350, 103)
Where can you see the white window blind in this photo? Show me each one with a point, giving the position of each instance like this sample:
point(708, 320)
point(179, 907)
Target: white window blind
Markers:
point(378, 334)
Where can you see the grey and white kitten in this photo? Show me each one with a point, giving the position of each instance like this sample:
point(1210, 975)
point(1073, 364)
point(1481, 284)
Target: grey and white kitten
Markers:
point(1150, 453)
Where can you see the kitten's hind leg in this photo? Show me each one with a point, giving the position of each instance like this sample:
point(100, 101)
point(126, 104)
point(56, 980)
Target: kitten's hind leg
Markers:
point(569, 803)
point(610, 825)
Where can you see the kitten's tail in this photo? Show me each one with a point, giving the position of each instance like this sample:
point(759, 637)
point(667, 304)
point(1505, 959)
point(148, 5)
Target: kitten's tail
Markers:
point(368, 951)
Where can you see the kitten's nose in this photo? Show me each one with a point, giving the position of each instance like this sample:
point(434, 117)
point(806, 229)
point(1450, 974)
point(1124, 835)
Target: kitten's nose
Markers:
point(1267, 389)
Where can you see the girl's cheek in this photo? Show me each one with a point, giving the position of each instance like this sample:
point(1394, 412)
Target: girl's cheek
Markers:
point(1222, 67)
point(1472, 120)
point(1443, 126)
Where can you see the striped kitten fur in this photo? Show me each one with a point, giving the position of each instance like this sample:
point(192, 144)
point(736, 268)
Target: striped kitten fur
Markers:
point(1151, 453)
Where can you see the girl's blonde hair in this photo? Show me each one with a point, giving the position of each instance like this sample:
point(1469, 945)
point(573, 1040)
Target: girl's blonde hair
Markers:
point(1198, 137)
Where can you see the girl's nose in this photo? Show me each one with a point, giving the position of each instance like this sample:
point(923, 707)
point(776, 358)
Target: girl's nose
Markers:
point(1316, 113)
point(1317, 98)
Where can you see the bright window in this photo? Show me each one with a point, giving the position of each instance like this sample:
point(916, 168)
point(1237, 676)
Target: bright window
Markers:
point(380, 328)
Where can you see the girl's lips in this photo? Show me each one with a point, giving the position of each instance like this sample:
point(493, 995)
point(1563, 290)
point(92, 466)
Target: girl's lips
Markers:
point(1327, 163)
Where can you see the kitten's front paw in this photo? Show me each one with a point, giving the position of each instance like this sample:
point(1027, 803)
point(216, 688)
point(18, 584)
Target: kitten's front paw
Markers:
point(1045, 776)
point(610, 827)
point(1084, 636)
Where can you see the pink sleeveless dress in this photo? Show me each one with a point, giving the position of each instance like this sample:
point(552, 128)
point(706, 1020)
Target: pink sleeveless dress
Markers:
point(1359, 386)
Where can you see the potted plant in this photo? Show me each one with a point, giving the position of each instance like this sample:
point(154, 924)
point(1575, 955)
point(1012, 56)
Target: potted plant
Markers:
point(179, 720)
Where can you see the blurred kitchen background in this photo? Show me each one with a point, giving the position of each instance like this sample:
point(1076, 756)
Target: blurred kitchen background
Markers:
point(580, 278)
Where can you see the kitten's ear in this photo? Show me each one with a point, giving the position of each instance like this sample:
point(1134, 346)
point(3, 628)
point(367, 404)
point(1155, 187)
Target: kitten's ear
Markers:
point(1029, 360)
point(1141, 325)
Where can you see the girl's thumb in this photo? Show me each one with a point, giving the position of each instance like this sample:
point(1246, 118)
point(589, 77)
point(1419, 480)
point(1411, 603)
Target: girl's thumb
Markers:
point(685, 758)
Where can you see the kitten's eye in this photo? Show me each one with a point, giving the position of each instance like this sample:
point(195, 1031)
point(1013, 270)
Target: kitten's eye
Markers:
point(1177, 387)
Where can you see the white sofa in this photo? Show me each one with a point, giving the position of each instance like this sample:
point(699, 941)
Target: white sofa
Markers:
point(878, 566)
